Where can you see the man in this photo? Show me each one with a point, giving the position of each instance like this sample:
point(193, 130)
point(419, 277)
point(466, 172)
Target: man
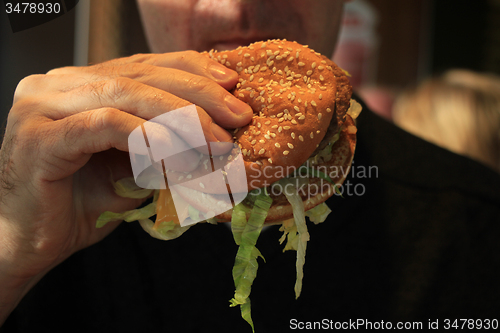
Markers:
point(414, 242)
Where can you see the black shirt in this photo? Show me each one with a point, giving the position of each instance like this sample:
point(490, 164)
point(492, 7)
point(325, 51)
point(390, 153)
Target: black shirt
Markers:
point(416, 239)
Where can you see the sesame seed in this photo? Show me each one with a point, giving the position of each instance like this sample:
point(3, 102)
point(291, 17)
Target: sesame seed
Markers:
point(301, 138)
point(274, 126)
point(262, 151)
point(267, 122)
point(313, 103)
point(267, 137)
point(302, 117)
point(280, 129)
point(301, 64)
point(328, 110)
point(320, 96)
point(270, 160)
point(263, 68)
point(296, 108)
point(241, 95)
point(246, 55)
point(239, 64)
point(281, 119)
point(321, 68)
point(286, 127)
point(290, 145)
point(321, 78)
point(262, 141)
point(290, 59)
point(313, 65)
point(312, 135)
point(272, 135)
point(277, 145)
point(286, 152)
point(263, 45)
point(201, 185)
point(318, 131)
point(309, 72)
point(294, 122)
point(253, 142)
point(293, 135)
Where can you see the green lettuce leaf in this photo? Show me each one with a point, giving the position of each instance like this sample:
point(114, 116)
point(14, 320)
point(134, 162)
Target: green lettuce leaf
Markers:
point(299, 217)
point(165, 231)
point(245, 267)
point(129, 216)
point(127, 188)
point(319, 213)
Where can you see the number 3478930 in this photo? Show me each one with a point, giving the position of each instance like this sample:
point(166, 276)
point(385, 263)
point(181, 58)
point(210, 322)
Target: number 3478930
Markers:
point(32, 8)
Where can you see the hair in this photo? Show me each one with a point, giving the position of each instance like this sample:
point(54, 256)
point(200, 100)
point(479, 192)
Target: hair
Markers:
point(459, 110)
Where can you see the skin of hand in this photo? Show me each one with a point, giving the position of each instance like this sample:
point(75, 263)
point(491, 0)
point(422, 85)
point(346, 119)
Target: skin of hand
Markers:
point(67, 135)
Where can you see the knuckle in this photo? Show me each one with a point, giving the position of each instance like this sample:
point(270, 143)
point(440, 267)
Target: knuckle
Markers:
point(27, 85)
point(135, 70)
point(23, 107)
point(193, 59)
point(58, 71)
point(101, 119)
point(199, 84)
point(117, 88)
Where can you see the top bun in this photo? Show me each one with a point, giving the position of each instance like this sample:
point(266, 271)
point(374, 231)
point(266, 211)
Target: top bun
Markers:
point(297, 96)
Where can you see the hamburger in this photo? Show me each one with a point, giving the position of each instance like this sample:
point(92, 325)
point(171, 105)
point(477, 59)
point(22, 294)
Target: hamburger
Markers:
point(296, 152)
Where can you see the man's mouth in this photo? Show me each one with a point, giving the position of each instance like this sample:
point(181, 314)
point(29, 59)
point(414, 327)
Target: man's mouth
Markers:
point(234, 43)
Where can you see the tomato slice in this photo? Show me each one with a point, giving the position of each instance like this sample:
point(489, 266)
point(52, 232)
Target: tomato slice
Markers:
point(165, 208)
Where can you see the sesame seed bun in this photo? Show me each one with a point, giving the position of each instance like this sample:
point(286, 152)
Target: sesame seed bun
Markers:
point(300, 100)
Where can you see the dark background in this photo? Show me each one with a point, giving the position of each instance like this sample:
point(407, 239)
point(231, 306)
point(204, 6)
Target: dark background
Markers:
point(417, 38)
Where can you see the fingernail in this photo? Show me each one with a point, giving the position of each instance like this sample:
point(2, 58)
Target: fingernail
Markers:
point(219, 72)
point(221, 134)
point(237, 106)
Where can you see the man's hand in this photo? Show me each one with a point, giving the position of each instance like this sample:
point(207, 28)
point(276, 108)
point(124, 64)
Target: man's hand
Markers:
point(67, 133)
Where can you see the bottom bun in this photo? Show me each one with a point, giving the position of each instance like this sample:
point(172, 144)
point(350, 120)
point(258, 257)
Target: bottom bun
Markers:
point(314, 190)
